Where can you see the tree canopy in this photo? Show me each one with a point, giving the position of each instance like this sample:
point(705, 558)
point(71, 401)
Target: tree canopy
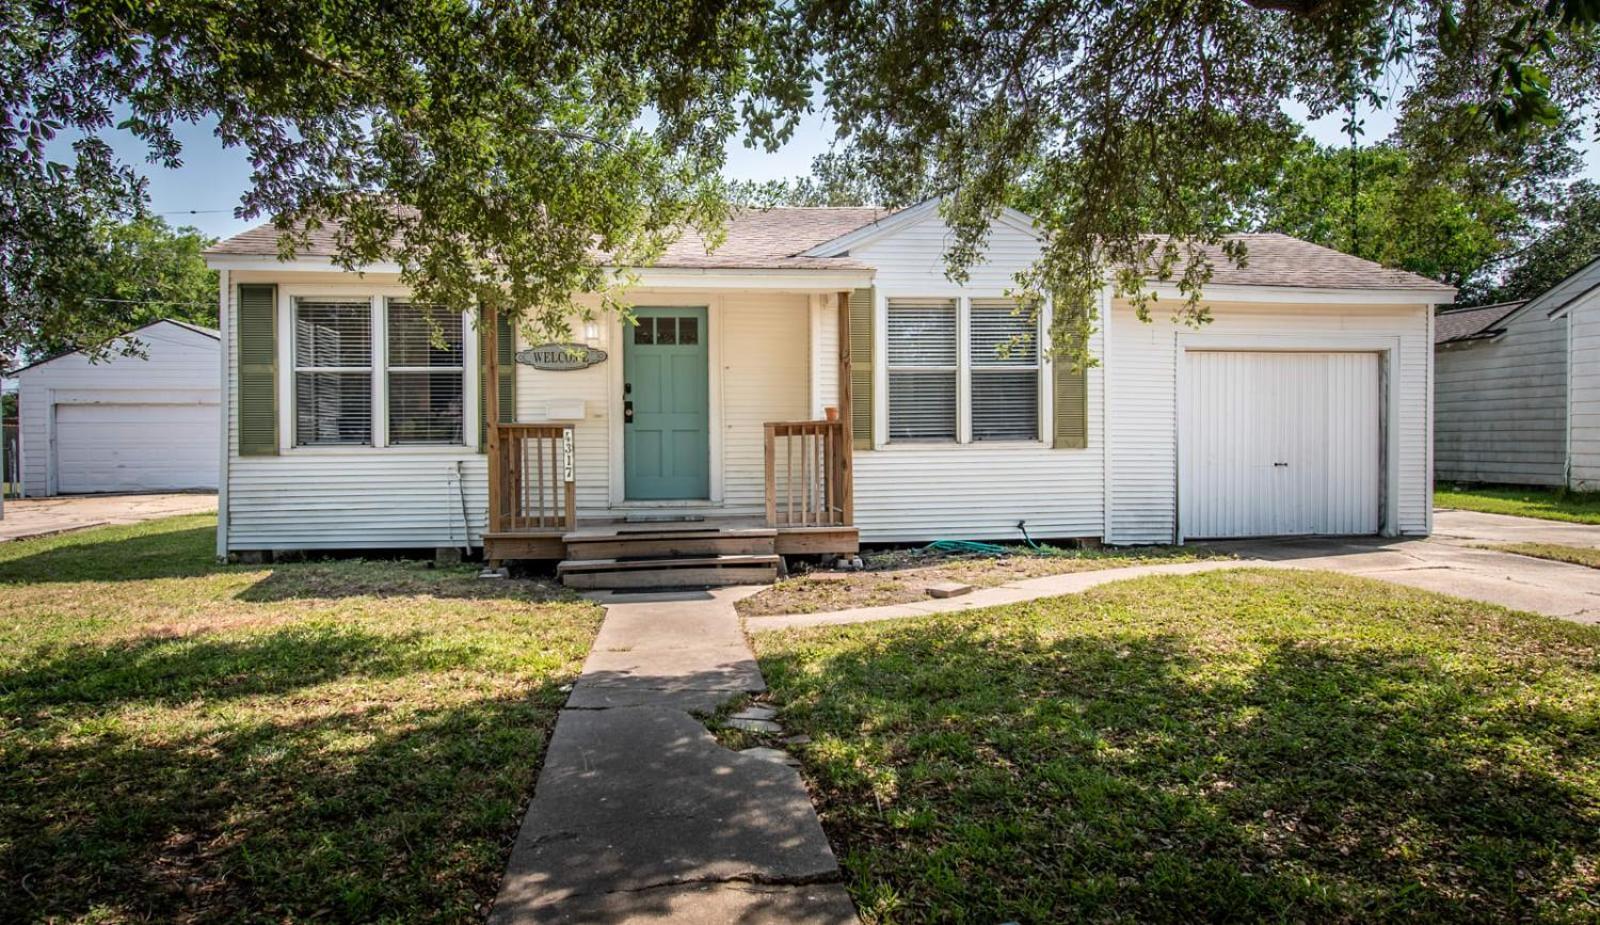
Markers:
point(128, 274)
point(507, 154)
point(1560, 248)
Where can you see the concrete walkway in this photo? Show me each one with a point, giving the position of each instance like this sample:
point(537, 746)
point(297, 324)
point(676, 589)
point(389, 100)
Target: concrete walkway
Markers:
point(1476, 528)
point(1452, 562)
point(30, 517)
point(641, 816)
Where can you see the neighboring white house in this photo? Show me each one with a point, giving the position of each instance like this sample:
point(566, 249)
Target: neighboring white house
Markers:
point(1303, 408)
point(125, 423)
point(1518, 389)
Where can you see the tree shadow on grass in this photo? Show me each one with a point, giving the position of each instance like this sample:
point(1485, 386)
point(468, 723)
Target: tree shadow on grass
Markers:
point(117, 554)
point(985, 778)
point(345, 812)
point(166, 671)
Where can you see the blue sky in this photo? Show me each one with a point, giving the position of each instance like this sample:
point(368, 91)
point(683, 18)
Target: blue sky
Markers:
point(207, 188)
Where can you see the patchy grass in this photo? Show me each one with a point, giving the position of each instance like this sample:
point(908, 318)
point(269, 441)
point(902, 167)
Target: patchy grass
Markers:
point(343, 741)
point(1576, 555)
point(1233, 746)
point(901, 576)
point(1546, 504)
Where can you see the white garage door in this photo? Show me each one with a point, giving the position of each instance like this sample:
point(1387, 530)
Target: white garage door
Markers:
point(135, 447)
point(1279, 444)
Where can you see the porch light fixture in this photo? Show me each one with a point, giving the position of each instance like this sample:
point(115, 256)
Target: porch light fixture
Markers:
point(591, 332)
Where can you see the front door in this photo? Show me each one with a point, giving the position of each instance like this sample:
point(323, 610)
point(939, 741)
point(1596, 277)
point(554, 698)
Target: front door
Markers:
point(666, 419)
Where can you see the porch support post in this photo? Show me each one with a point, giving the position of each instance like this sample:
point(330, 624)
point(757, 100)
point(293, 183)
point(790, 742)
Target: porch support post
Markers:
point(491, 413)
point(847, 491)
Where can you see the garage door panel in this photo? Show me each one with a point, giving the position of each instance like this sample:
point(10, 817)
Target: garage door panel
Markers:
point(1279, 444)
point(117, 447)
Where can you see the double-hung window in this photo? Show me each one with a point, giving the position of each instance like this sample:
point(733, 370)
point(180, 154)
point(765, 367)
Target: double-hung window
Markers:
point(426, 374)
point(352, 356)
point(962, 370)
point(1005, 372)
point(923, 369)
point(333, 372)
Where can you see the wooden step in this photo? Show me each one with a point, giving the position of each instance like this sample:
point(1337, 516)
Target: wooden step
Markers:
point(675, 572)
point(594, 545)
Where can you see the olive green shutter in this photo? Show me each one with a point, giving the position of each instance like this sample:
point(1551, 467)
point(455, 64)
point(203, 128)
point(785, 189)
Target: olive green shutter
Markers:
point(258, 370)
point(861, 302)
point(506, 344)
point(1071, 402)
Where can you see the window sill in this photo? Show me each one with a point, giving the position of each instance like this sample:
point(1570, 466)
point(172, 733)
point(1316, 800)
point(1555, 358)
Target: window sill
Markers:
point(421, 449)
point(951, 445)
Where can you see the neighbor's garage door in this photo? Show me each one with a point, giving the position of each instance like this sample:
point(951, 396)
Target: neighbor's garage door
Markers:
point(135, 447)
point(1279, 444)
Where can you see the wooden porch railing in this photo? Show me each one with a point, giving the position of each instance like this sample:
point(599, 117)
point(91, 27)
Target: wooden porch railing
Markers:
point(531, 484)
point(808, 474)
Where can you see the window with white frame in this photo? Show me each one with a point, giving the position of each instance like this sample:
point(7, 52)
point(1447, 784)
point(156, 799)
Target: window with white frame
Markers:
point(332, 372)
point(962, 370)
point(923, 365)
point(351, 356)
point(1005, 371)
point(426, 374)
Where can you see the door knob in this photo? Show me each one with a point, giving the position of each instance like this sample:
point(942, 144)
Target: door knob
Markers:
point(1282, 465)
point(627, 412)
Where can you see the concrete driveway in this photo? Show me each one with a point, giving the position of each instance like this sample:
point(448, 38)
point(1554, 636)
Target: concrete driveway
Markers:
point(29, 517)
point(1453, 562)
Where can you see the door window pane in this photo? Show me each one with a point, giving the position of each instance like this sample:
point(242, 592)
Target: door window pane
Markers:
point(666, 330)
point(688, 330)
point(644, 331)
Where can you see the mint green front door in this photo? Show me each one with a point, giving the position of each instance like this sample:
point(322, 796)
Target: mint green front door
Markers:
point(666, 419)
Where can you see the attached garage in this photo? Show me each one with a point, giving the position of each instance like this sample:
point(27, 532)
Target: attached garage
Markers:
point(127, 423)
point(1280, 443)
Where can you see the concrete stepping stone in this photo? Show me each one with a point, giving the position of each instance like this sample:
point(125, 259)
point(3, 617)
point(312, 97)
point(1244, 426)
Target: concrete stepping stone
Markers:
point(775, 755)
point(754, 725)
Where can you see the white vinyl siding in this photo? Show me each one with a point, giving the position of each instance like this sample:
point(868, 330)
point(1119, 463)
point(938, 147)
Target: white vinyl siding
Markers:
point(1583, 414)
point(1500, 405)
point(916, 492)
point(923, 369)
point(148, 413)
point(1142, 391)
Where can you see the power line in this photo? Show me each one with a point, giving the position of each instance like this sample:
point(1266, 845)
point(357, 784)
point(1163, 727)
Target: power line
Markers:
point(193, 211)
point(148, 302)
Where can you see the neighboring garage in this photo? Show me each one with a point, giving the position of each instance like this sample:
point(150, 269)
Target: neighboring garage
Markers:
point(127, 423)
point(1280, 443)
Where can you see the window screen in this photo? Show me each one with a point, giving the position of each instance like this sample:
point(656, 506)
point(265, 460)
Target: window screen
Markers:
point(922, 369)
point(426, 374)
point(333, 372)
point(1005, 372)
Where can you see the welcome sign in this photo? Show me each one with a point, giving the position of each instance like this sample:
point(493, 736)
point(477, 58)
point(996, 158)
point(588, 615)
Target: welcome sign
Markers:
point(561, 357)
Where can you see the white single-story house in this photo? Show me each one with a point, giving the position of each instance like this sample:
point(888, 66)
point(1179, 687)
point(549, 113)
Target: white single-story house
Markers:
point(1518, 388)
point(1302, 408)
point(150, 422)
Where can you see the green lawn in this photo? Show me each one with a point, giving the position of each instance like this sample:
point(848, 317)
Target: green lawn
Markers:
point(341, 741)
point(1233, 746)
point(1545, 504)
point(1574, 555)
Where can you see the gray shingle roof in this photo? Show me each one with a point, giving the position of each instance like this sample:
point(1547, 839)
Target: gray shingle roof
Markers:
point(755, 239)
point(1457, 324)
point(772, 239)
point(1280, 260)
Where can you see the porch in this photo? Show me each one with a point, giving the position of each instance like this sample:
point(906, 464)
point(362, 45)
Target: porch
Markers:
point(617, 536)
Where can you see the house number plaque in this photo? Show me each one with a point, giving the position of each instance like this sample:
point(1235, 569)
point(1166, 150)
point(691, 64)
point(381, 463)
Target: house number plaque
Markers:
point(567, 474)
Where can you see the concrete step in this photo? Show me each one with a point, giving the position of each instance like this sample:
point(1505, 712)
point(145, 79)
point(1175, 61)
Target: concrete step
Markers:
point(670, 572)
point(596, 545)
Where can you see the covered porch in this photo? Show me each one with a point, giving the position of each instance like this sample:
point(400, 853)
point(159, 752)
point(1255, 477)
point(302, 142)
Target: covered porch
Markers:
point(705, 443)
